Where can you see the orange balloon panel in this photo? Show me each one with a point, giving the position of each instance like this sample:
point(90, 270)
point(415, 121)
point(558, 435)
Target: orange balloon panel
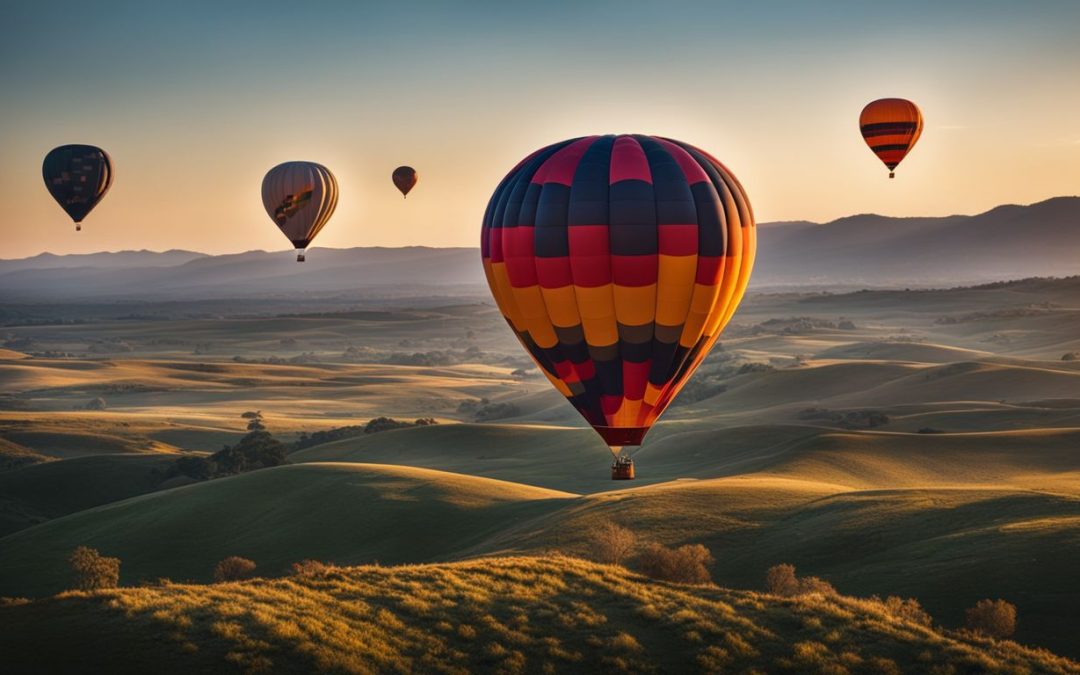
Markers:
point(618, 260)
point(891, 127)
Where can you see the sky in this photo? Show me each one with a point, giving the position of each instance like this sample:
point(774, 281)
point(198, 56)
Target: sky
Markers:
point(195, 101)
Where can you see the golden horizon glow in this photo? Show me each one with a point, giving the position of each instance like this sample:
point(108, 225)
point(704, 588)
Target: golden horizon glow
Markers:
point(190, 143)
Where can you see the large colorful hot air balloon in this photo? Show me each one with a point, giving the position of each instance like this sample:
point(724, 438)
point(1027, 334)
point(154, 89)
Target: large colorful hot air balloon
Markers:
point(405, 178)
point(77, 176)
point(617, 260)
point(300, 197)
point(891, 126)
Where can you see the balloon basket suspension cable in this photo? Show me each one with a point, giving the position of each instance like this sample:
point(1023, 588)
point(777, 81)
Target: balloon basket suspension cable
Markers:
point(622, 466)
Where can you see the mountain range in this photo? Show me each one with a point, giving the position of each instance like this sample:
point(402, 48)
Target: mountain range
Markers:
point(1007, 242)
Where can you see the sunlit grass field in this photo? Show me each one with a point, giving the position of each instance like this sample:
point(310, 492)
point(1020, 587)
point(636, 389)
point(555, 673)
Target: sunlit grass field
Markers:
point(549, 614)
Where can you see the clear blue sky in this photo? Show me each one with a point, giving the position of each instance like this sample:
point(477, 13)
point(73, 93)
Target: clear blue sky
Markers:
point(195, 101)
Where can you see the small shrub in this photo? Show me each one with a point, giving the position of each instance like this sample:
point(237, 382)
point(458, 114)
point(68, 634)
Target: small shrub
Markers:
point(908, 609)
point(781, 580)
point(234, 568)
point(97, 404)
point(815, 585)
point(993, 618)
point(684, 565)
point(612, 544)
point(311, 568)
point(1070, 356)
point(92, 570)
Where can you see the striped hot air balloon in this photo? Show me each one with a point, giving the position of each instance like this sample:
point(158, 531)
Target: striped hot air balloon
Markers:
point(77, 177)
point(617, 261)
point(300, 197)
point(891, 127)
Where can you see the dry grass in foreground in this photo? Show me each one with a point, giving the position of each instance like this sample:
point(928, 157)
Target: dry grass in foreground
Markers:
point(546, 614)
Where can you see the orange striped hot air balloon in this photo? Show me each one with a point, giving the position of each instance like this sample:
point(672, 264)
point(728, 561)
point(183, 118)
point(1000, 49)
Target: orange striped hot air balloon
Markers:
point(891, 127)
point(617, 261)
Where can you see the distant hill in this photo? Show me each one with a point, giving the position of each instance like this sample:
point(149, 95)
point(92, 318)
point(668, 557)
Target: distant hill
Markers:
point(250, 274)
point(107, 260)
point(1007, 242)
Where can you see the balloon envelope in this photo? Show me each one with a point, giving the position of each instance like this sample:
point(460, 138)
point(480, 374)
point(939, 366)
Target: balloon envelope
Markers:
point(617, 261)
point(405, 178)
point(77, 176)
point(891, 127)
point(300, 197)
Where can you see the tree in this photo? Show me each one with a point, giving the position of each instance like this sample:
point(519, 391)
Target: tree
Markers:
point(612, 544)
point(781, 580)
point(255, 422)
point(92, 570)
point(684, 565)
point(195, 466)
point(234, 568)
point(993, 618)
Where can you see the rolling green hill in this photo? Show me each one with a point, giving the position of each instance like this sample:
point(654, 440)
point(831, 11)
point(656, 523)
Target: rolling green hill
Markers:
point(948, 546)
point(346, 513)
point(551, 614)
point(39, 492)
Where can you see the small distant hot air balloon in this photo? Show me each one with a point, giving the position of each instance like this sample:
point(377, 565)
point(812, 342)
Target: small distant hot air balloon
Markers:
point(77, 176)
point(617, 261)
point(405, 178)
point(300, 197)
point(891, 126)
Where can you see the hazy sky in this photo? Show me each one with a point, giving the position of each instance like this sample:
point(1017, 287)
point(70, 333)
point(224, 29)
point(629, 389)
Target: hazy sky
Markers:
point(195, 101)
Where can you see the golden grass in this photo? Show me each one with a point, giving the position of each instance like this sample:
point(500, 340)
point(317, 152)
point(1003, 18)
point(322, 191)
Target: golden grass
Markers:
point(538, 614)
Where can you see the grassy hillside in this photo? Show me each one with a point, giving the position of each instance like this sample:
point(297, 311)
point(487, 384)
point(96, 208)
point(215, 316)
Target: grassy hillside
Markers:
point(500, 615)
point(576, 461)
point(347, 513)
point(37, 493)
point(949, 546)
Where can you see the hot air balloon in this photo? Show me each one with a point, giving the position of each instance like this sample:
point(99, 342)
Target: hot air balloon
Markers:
point(617, 261)
point(300, 197)
point(77, 176)
point(405, 178)
point(891, 126)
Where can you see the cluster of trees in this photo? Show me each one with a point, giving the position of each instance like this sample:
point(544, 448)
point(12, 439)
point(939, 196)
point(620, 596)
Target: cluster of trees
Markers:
point(849, 419)
point(484, 410)
point(258, 449)
point(91, 570)
point(236, 568)
point(613, 544)
point(990, 618)
point(800, 325)
point(372, 426)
